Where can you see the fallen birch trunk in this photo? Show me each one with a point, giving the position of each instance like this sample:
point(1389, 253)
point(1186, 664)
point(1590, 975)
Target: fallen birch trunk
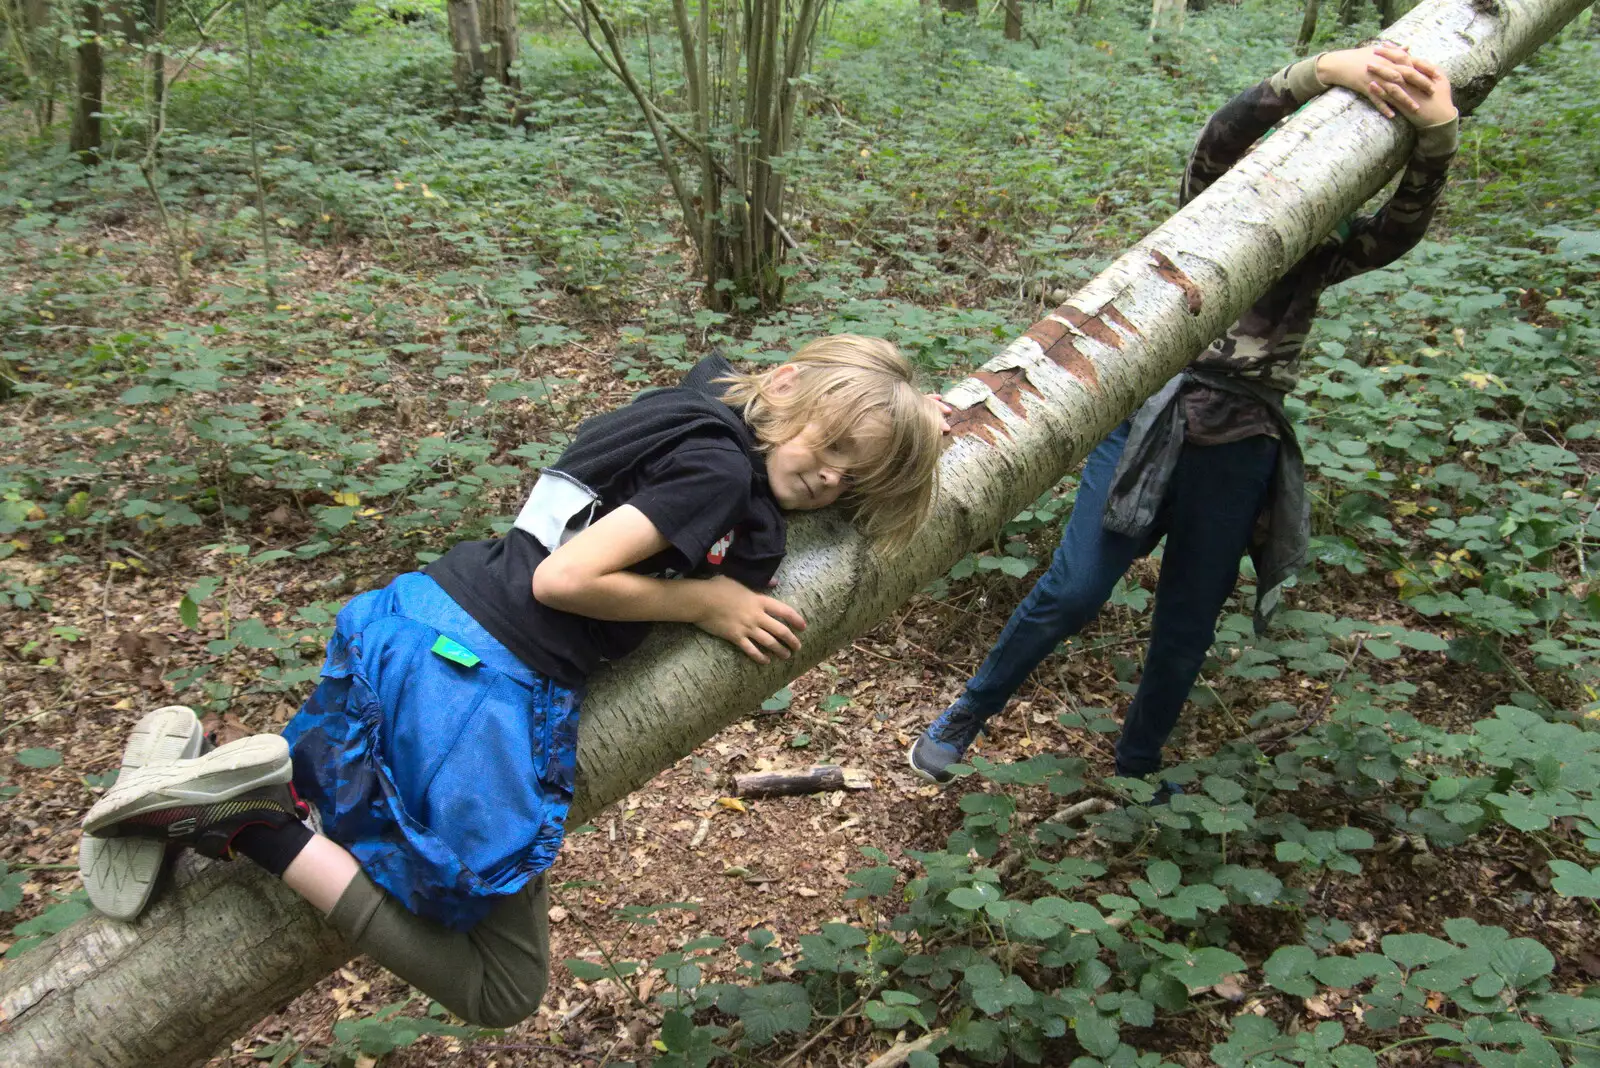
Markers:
point(229, 945)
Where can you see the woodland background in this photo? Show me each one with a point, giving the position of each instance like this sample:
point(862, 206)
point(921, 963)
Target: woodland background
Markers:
point(294, 295)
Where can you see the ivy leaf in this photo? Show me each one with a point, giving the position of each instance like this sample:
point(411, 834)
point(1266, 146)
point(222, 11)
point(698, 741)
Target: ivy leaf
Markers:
point(995, 997)
point(1422, 641)
point(1036, 926)
point(38, 758)
point(1573, 880)
point(972, 897)
point(1204, 967)
point(1287, 970)
point(1097, 1033)
point(773, 1009)
point(1164, 876)
point(1354, 1057)
point(778, 701)
point(1016, 568)
point(874, 882)
point(1077, 914)
point(11, 888)
point(1381, 649)
point(1342, 972)
point(1412, 950)
point(1522, 960)
point(1257, 885)
point(1224, 791)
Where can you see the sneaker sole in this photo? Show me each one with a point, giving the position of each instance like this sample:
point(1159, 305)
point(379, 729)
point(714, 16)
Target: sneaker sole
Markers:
point(236, 768)
point(925, 776)
point(120, 873)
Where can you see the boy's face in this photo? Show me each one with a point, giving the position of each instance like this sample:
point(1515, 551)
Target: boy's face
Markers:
point(804, 474)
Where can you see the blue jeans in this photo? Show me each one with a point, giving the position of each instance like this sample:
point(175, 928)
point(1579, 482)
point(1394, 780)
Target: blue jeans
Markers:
point(1207, 518)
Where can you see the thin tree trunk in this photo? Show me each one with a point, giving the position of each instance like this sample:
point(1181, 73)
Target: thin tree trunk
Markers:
point(466, 41)
point(1349, 11)
point(1166, 16)
point(1013, 20)
point(156, 16)
point(1308, 27)
point(227, 943)
point(89, 100)
point(255, 154)
point(497, 20)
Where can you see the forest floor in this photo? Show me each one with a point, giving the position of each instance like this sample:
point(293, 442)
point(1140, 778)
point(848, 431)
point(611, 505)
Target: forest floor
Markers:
point(103, 653)
point(90, 288)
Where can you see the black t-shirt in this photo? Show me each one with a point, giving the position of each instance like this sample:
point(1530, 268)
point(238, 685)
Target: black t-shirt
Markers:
point(683, 458)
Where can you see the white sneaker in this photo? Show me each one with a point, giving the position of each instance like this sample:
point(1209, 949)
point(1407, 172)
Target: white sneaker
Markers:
point(121, 873)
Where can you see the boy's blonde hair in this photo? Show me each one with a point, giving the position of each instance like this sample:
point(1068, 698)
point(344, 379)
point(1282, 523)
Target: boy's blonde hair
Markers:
point(849, 386)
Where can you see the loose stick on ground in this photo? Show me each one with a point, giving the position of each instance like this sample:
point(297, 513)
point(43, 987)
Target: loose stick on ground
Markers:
point(901, 1053)
point(812, 780)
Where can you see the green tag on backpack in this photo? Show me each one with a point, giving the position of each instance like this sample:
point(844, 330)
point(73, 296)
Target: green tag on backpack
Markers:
point(456, 653)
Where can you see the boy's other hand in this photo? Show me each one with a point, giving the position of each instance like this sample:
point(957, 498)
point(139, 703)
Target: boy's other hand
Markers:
point(942, 410)
point(1434, 106)
point(1385, 74)
point(757, 624)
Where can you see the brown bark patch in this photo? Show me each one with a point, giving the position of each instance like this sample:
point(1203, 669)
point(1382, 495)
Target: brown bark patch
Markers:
point(1170, 272)
point(1119, 320)
point(1053, 337)
point(1090, 326)
point(1008, 386)
point(978, 420)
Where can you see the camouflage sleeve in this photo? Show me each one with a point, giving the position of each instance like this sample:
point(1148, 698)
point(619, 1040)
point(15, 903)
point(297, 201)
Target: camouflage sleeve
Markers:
point(1377, 240)
point(1236, 125)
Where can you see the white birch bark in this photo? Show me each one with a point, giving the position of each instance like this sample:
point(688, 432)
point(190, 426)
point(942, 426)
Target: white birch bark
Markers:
point(229, 945)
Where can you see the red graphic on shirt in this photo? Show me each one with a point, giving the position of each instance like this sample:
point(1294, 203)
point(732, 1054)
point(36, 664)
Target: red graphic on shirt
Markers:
point(720, 550)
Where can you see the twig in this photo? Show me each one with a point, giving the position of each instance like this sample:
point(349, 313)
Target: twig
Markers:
point(105, 598)
point(535, 1046)
point(823, 1032)
point(1266, 733)
point(37, 715)
point(902, 1053)
point(1081, 809)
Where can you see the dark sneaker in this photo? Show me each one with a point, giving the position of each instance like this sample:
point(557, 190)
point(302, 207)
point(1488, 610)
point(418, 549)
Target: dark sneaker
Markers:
point(943, 743)
point(203, 803)
point(1165, 792)
point(120, 873)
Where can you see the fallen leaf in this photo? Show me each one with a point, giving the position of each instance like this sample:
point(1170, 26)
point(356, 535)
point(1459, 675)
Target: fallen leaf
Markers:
point(1318, 1006)
point(1229, 988)
point(733, 804)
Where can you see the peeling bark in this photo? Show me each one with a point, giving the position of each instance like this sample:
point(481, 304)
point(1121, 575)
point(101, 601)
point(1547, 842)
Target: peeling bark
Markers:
point(228, 944)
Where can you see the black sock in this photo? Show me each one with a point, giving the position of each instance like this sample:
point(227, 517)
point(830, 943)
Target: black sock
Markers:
point(274, 848)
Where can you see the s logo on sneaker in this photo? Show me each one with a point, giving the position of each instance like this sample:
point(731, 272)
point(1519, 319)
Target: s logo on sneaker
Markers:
point(180, 828)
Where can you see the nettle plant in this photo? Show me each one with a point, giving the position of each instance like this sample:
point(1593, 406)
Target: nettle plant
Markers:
point(1443, 430)
point(1015, 941)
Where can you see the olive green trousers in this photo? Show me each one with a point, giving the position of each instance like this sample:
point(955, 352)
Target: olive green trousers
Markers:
point(493, 975)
